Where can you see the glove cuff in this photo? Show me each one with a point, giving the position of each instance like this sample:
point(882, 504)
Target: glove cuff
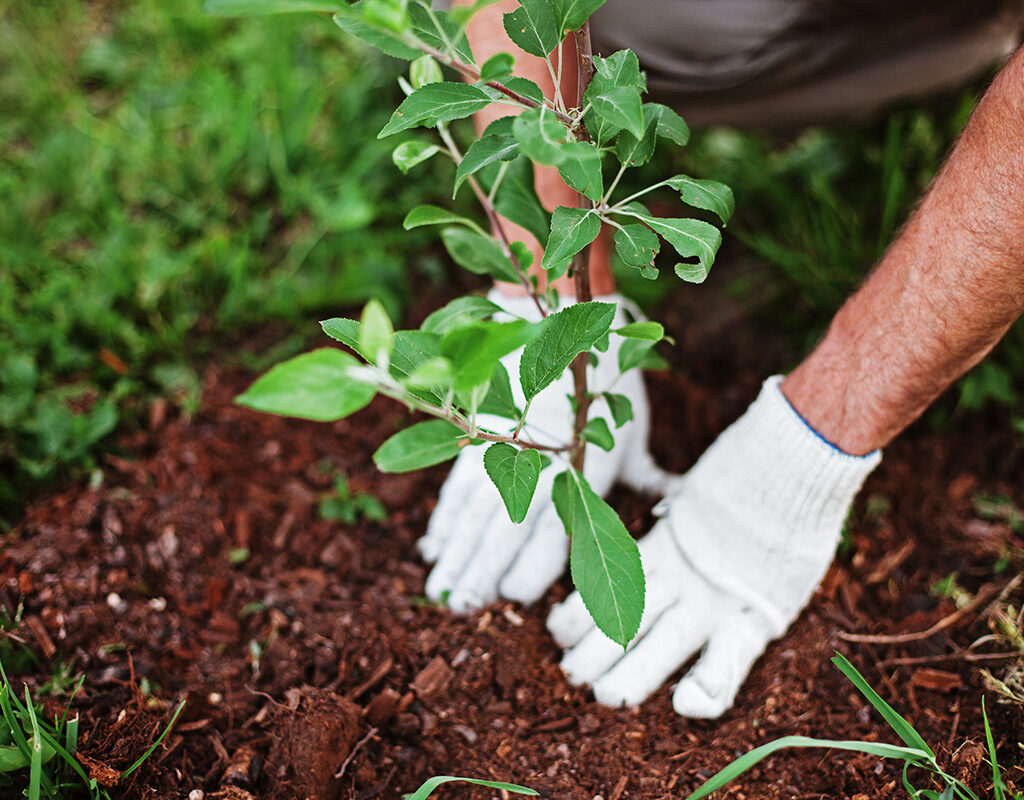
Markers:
point(769, 491)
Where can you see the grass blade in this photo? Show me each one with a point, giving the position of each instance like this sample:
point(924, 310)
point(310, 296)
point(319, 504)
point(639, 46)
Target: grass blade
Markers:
point(745, 762)
point(155, 744)
point(902, 728)
point(430, 785)
point(35, 771)
point(998, 787)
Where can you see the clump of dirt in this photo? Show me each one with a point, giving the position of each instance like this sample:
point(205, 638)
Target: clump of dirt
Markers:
point(304, 648)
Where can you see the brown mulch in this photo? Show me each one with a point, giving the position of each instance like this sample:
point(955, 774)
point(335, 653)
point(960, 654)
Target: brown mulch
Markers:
point(200, 570)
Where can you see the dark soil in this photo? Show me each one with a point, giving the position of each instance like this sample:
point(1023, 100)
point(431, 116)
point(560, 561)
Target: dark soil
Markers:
point(200, 569)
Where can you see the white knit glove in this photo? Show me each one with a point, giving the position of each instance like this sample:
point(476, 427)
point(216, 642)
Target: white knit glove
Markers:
point(480, 553)
point(747, 535)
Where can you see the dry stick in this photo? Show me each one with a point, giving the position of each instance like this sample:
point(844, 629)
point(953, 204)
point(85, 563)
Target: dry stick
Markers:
point(581, 261)
point(352, 753)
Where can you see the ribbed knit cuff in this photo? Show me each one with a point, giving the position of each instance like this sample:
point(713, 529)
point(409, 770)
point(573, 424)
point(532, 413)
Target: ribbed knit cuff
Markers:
point(770, 493)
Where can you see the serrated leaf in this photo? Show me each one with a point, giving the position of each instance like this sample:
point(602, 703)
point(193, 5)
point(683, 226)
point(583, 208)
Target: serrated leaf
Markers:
point(621, 68)
point(639, 354)
point(580, 167)
point(460, 311)
point(408, 154)
point(564, 335)
point(488, 149)
point(433, 103)
point(498, 66)
point(706, 194)
point(691, 238)
point(671, 126)
point(478, 253)
point(517, 201)
point(572, 14)
point(386, 42)
point(425, 22)
point(572, 229)
point(430, 785)
point(621, 106)
point(310, 386)
point(422, 445)
point(636, 244)
point(540, 136)
point(474, 349)
point(514, 472)
point(525, 87)
point(499, 399)
point(633, 152)
point(462, 14)
point(435, 215)
point(604, 559)
point(645, 329)
point(620, 407)
point(249, 8)
point(596, 431)
point(532, 27)
point(375, 332)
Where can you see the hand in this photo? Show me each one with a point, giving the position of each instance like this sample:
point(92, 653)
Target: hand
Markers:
point(480, 553)
point(748, 534)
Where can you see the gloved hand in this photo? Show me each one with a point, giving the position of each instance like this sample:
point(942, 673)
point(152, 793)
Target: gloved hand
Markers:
point(480, 553)
point(747, 534)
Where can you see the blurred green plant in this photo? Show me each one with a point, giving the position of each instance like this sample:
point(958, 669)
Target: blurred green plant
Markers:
point(165, 178)
point(344, 505)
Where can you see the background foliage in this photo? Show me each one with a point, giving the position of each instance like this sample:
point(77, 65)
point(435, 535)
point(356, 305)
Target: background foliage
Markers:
point(167, 178)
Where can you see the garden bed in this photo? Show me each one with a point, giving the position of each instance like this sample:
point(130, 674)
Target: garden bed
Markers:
point(200, 568)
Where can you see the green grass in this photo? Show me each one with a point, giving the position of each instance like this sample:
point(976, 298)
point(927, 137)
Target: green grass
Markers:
point(165, 179)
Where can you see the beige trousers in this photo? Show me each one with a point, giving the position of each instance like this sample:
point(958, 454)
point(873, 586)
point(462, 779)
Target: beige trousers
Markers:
point(787, 63)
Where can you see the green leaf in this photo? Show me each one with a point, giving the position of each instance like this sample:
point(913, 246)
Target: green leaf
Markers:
point(391, 15)
point(488, 149)
point(434, 373)
point(745, 762)
point(900, 726)
point(621, 106)
point(639, 354)
point(425, 23)
point(433, 103)
point(376, 332)
point(517, 199)
point(633, 152)
point(597, 432)
point(475, 348)
point(709, 195)
point(408, 154)
point(422, 445)
point(540, 135)
point(429, 786)
point(499, 399)
point(462, 14)
point(580, 167)
point(497, 67)
point(248, 8)
point(636, 244)
point(515, 473)
point(603, 558)
point(525, 87)
point(671, 126)
point(998, 786)
point(621, 68)
point(564, 335)
point(691, 238)
point(532, 27)
point(424, 70)
point(620, 406)
point(478, 253)
point(570, 15)
point(435, 215)
point(311, 386)
point(572, 229)
point(460, 311)
point(646, 329)
point(387, 43)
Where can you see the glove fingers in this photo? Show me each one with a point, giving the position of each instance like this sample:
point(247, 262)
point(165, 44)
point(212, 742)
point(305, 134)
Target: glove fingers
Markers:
point(462, 540)
point(675, 636)
point(540, 561)
point(569, 621)
point(596, 654)
point(710, 688)
point(467, 472)
point(478, 584)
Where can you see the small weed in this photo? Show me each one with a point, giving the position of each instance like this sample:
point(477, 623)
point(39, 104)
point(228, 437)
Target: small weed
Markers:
point(999, 508)
point(344, 505)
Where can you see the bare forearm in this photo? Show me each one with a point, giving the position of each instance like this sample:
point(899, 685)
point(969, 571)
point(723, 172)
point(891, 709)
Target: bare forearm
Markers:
point(943, 295)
